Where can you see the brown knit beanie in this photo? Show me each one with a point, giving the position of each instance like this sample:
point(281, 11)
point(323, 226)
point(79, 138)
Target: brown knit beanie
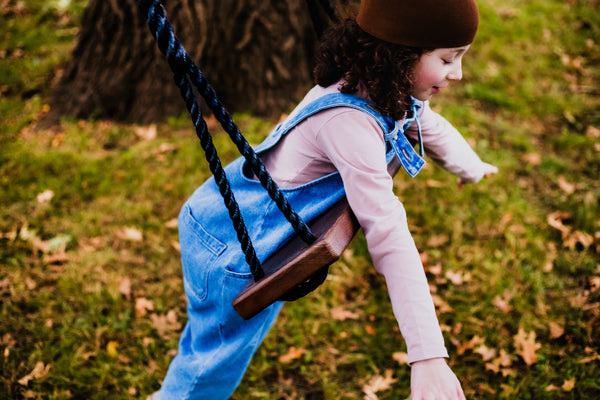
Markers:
point(420, 23)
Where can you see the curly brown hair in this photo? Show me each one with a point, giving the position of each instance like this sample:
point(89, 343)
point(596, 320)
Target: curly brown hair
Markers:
point(384, 69)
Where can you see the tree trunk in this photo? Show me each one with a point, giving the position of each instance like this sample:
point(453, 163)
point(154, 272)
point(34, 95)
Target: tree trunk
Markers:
point(257, 55)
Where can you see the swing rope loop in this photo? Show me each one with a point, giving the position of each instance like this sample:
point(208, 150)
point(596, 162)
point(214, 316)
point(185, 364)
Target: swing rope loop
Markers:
point(187, 73)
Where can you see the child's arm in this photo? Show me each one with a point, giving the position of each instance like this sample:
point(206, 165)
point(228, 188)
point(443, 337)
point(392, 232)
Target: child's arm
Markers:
point(353, 143)
point(446, 146)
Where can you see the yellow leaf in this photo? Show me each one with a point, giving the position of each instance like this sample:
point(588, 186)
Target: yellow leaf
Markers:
point(568, 385)
point(111, 348)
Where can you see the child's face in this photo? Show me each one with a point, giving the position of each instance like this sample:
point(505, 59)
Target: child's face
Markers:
point(436, 69)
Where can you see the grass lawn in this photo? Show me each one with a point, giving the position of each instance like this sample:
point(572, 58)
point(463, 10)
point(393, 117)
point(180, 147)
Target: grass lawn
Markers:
point(91, 295)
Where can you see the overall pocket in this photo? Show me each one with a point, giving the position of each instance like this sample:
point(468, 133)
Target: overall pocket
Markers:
point(199, 255)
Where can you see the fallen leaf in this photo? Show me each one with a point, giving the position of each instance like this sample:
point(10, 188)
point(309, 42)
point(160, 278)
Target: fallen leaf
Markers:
point(173, 223)
point(378, 383)
point(567, 187)
point(401, 357)
point(125, 287)
point(462, 347)
point(568, 385)
point(594, 283)
point(341, 314)
point(45, 196)
point(111, 348)
point(526, 346)
point(578, 237)
point(486, 353)
point(556, 330)
point(146, 132)
point(370, 330)
point(503, 302)
point(552, 388)
point(165, 324)
point(556, 219)
point(592, 132)
point(142, 306)
point(292, 354)
point(39, 371)
point(129, 233)
point(441, 305)
point(532, 158)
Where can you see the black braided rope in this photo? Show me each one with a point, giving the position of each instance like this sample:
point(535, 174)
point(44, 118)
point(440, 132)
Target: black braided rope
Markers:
point(185, 71)
point(180, 62)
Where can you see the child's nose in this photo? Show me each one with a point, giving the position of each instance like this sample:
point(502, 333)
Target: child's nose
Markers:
point(456, 73)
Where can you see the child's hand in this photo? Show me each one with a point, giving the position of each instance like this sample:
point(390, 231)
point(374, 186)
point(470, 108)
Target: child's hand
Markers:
point(433, 379)
point(486, 169)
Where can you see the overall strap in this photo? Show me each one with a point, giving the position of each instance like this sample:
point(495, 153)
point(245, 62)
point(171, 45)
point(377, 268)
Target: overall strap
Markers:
point(393, 131)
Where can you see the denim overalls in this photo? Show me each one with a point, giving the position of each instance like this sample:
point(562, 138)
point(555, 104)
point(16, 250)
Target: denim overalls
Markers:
point(217, 344)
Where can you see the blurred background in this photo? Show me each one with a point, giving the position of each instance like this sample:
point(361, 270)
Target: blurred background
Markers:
point(97, 155)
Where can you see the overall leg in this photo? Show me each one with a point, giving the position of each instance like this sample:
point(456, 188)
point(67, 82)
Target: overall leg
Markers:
point(217, 344)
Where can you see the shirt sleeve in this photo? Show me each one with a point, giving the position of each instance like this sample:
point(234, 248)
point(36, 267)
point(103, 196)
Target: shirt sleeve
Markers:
point(354, 144)
point(446, 146)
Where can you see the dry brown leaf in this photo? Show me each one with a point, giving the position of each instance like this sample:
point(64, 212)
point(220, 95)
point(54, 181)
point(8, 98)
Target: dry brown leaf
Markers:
point(532, 158)
point(503, 302)
point(526, 346)
point(437, 240)
point(592, 132)
point(125, 287)
point(578, 237)
point(556, 330)
point(556, 219)
point(594, 283)
point(462, 347)
point(142, 306)
point(172, 223)
point(401, 357)
point(566, 187)
point(39, 371)
point(486, 353)
point(568, 385)
point(146, 132)
point(292, 354)
point(165, 323)
point(441, 305)
point(378, 383)
point(129, 233)
point(552, 388)
point(45, 196)
point(341, 314)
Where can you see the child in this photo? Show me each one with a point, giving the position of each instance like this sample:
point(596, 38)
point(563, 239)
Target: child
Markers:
point(374, 77)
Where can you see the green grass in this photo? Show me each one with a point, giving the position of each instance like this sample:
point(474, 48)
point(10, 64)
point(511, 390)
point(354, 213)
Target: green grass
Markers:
point(102, 311)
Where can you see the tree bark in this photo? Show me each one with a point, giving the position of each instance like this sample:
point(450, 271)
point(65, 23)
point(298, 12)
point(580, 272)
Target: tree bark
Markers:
point(257, 55)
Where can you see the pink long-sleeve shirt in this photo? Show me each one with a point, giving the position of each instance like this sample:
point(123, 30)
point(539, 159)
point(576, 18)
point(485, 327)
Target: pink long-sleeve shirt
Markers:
point(351, 142)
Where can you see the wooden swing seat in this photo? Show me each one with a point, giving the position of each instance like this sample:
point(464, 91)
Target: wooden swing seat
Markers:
point(297, 261)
